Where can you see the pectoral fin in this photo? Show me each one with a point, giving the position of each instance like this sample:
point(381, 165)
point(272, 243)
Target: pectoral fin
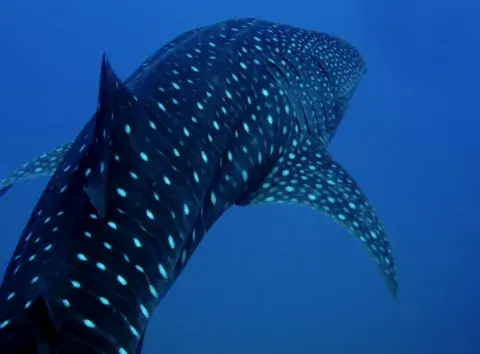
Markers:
point(43, 165)
point(308, 175)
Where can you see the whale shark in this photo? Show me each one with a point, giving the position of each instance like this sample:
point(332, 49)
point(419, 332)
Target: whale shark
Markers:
point(236, 113)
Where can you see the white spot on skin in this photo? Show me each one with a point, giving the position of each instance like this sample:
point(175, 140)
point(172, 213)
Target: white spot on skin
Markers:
point(162, 271)
point(171, 242)
point(161, 106)
point(112, 225)
point(153, 291)
point(104, 301)
point(89, 323)
point(75, 284)
point(137, 242)
point(150, 215)
point(101, 266)
point(204, 156)
point(134, 331)
point(121, 280)
point(121, 192)
point(81, 257)
point(144, 311)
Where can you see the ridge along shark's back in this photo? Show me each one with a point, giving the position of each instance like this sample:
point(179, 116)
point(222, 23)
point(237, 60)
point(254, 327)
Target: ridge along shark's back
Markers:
point(236, 113)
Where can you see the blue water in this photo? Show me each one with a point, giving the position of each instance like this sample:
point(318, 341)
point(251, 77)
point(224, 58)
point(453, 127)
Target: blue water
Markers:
point(284, 279)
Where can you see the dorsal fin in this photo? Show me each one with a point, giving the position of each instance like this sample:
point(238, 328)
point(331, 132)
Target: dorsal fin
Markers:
point(111, 93)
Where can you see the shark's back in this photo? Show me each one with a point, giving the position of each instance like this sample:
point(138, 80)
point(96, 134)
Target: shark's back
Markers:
point(318, 71)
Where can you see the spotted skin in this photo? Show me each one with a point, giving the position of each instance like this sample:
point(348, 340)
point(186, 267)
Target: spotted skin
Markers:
point(236, 113)
point(47, 163)
point(44, 165)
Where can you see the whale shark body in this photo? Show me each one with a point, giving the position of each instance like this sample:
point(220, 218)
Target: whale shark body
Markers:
point(236, 113)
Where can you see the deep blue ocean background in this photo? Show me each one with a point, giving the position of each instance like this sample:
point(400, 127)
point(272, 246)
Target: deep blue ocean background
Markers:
point(284, 279)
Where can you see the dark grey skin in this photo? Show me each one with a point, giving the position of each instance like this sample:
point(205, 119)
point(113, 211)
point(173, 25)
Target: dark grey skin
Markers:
point(236, 113)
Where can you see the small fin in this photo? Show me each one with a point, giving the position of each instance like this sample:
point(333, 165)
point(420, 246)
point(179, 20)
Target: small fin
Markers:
point(43, 165)
point(308, 175)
